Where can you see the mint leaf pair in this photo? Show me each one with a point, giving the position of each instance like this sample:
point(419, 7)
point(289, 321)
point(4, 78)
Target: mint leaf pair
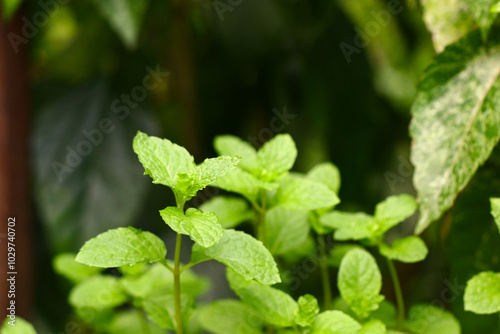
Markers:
point(258, 169)
point(389, 213)
point(172, 165)
point(273, 160)
point(358, 226)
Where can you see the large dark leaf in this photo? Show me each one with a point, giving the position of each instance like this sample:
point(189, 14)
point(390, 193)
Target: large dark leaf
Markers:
point(80, 195)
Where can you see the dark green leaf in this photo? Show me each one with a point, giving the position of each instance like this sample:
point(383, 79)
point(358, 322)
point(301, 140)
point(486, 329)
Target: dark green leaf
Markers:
point(87, 177)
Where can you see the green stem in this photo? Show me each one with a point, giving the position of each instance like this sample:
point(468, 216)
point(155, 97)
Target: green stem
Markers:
point(399, 294)
point(325, 274)
point(191, 264)
point(177, 274)
point(262, 217)
point(166, 265)
point(177, 284)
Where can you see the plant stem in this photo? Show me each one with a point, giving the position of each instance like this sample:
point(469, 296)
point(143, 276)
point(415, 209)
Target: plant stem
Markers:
point(177, 284)
point(166, 265)
point(262, 217)
point(399, 294)
point(325, 275)
point(177, 273)
point(191, 264)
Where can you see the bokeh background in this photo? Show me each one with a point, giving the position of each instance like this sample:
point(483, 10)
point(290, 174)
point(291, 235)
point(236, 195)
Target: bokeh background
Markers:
point(187, 70)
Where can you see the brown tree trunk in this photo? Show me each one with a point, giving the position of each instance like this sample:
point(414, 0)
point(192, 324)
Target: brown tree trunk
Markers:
point(182, 67)
point(14, 172)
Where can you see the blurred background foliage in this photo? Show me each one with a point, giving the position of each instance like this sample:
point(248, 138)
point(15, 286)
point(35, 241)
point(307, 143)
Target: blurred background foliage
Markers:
point(249, 68)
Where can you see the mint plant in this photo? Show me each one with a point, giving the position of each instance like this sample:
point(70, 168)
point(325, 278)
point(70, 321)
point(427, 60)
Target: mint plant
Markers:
point(171, 165)
point(291, 213)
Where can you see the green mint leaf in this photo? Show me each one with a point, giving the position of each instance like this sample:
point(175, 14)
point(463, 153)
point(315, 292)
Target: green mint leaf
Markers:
point(66, 265)
point(314, 222)
point(335, 322)
point(162, 159)
point(304, 249)
point(338, 253)
point(158, 278)
point(161, 309)
point(275, 306)
point(482, 293)
point(19, 326)
point(495, 210)
point(409, 250)
point(121, 246)
point(393, 211)
point(98, 292)
point(373, 327)
point(204, 174)
point(242, 253)
point(242, 182)
point(453, 137)
point(231, 211)
point(238, 282)
point(349, 226)
point(202, 227)
point(135, 269)
point(428, 319)
point(298, 193)
point(386, 313)
point(327, 174)
point(98, 319)
point(360, 281)
point(234, 146)
point(125, 17)
point(131, 322)
point(285, 229)
point(229, 316)
point(447, 20)
point(276, 157)
point(308, 310)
